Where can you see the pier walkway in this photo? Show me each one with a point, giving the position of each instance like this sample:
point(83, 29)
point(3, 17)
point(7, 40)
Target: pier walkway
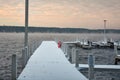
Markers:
point(49, 63)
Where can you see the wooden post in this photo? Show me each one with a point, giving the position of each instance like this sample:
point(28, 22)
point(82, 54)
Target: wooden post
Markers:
point(91, 67)
point(66, 50)
point(116, 53)
point(62, 47)
point(37, 44)
point(74, 56)
point(30, 48)
point(77, 58)
point(68, 53)
point(14, 67)
point(23, 58)
point(26, 55)
point(73, 60)
point(115, 49)
point(34, 46)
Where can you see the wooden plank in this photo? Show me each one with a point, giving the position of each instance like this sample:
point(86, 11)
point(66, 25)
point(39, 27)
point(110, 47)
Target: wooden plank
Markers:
point(49, 63)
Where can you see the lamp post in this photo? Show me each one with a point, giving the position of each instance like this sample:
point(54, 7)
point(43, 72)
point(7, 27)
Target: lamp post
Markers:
point(26, 23)
point(105, 30)
point(26, 32)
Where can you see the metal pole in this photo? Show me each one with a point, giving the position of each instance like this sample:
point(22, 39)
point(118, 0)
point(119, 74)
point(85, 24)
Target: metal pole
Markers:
point(26, 22)
point(105, 30)
point(91, 67)
point(14, 67)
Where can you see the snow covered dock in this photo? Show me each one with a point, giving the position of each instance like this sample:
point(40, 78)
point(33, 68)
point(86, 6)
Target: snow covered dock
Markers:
point(49, 63)
point(100, 67)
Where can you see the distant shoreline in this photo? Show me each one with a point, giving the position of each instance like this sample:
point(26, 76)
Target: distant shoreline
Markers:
point(55, 30)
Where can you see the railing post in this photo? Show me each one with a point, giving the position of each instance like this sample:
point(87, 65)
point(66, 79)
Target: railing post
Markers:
point(14, 67)
point(91, 67)
point(76, 58)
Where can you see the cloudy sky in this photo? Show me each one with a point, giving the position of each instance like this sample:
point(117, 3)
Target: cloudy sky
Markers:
point(62, 13)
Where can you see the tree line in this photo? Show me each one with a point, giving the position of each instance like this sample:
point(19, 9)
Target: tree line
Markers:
point(55, 30)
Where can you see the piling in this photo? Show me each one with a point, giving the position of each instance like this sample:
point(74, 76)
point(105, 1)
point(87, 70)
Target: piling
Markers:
point(116, 54)
point(30, 50)
point(73, 58)
point(66, 50)
point(115, 49)
point(26, 54)
point(14, 67)
point(24, 58)
point(91, 67)
point(77, 58)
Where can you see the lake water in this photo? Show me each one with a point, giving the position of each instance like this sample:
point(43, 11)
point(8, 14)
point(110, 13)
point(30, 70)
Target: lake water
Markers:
point(12, 43)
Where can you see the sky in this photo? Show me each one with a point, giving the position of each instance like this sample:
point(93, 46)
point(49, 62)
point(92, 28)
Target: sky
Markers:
point(62, 13)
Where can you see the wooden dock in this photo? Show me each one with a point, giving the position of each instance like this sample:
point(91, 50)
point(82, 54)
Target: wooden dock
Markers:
point(49, 63)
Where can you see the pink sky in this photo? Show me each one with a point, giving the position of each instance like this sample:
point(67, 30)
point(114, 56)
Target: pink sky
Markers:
point(62, 13)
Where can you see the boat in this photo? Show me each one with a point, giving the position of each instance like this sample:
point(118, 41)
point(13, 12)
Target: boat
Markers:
point(87, 45)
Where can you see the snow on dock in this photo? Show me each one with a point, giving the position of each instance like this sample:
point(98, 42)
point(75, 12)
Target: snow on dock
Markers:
point(49, 63)
point(100, 67)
